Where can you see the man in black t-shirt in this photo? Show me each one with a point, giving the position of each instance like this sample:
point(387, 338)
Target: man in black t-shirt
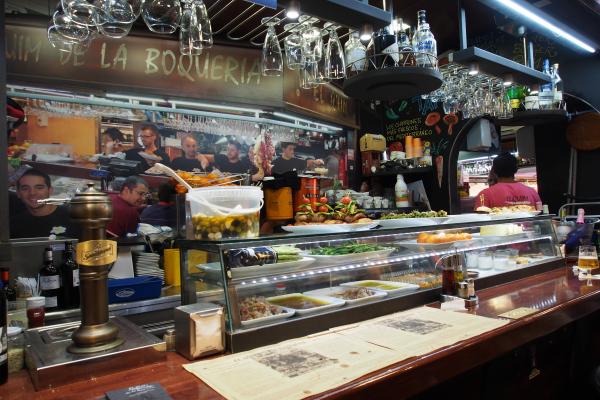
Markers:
point(189, 161)
point(151, 153)
point(231, 162)
point(288, 161)
point(39, 220)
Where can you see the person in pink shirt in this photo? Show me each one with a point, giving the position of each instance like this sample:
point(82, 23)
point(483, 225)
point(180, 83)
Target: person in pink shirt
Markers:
point(506, 192)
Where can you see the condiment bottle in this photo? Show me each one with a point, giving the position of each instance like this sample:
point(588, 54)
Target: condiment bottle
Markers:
point(36, 311)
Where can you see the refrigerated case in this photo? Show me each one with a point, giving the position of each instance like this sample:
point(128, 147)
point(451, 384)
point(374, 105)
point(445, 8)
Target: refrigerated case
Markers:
point(324, 288)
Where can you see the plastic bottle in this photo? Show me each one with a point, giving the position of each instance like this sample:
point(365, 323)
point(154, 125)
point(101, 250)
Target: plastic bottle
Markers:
point(401, 192)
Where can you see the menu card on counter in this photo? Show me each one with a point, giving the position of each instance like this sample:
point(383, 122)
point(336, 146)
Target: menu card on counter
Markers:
point(146, 391)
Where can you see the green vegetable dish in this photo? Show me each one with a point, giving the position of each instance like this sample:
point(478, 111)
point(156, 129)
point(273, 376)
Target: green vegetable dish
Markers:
point(417, 214)
point(350, 248)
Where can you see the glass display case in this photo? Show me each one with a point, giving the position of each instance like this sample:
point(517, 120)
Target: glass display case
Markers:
point(282, 286)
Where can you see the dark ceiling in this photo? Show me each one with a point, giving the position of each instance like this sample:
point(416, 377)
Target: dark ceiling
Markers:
point(581, 15)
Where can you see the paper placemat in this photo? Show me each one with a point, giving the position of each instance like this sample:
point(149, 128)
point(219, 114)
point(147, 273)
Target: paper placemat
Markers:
point(519, 313)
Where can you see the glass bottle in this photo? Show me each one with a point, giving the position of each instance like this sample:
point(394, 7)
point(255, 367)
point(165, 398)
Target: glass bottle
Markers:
point(547, 87)
point(386, 48)
point(557, 85)
point(355, 53)
point(11, 293)
point(70, 278)
point(371, 52)
point(406, 57)
point(424, 43)
point(49, 281)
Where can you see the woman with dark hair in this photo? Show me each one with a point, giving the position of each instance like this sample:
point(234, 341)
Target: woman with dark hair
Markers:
point(112, 141)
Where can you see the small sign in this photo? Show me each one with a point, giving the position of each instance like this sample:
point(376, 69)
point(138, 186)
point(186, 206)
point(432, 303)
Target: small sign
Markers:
point(96, 253)
point(147, 391)
point(267, 3)
point(519, 313)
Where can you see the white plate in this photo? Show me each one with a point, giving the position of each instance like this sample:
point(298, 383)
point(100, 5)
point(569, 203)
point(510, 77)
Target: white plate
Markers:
point(258, 321)
point(402, 287)
point(464, 218)
point(331, 303)
point(500, 238)
point(353, 257)
point(267, 269)
point(408, 222)
point(519, 214)
point(329, 228)
point(413, 245)
point(329, 292)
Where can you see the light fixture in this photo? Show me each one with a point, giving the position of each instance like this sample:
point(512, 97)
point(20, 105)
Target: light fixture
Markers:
point(535, 89)
point(136, 98)
point(473, 69)
point(293, 10)
point(507, 79)
point(366, 31)
point(214, 106)
point(526, 11)
point(306, 121)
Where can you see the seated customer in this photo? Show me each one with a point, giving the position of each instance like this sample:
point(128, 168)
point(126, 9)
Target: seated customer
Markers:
point(39, 220)
point(126, 204)
point(190, 159)
point(164, 213)
point(151, 153)
point(506, 192)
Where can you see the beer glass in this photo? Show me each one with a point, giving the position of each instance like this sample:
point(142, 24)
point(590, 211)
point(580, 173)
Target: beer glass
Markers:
point(588, 259)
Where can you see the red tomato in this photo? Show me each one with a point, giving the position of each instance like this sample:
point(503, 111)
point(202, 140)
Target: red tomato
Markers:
point(344, 210)
point(323, 200)
point(346, 200)
point(323, 209)
point(305, 200)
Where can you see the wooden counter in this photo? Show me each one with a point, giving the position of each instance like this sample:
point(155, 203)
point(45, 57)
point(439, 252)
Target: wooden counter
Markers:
point(560, 296)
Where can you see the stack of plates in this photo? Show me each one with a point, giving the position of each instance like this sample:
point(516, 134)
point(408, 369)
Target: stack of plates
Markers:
point(147, 264)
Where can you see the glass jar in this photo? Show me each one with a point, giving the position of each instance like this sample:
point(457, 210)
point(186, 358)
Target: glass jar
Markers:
point(486, 260)
point(16, 349)
point(36, 311)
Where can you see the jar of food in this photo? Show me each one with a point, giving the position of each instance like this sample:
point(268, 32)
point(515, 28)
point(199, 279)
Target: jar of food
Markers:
point(16, 349)
point(36, 311)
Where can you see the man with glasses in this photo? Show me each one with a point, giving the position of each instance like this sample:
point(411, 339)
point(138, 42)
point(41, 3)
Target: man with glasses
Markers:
point(151, 153)
point(126, 207)
point(39, 220)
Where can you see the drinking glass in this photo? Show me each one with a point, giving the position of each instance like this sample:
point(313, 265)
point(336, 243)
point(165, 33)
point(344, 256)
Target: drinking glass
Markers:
point(68, 29)
point(118, 18)
point(188, 20)
point(272, 60)
point(320, 75)
point(335, 64)
point(312, 40)
point(293, 46)
point(203, 29)
point(136, 7)
point(588, 259)
point(161, 16)
point(82, 12)
point(308, 75)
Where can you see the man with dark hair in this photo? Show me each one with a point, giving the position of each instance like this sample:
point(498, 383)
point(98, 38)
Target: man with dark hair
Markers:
point(506, 192)
point(289, 162)
point(151, 153)
point(190, 159)
point(126, 205)
point(232, 162)
point(164, 213)
point(39, 220)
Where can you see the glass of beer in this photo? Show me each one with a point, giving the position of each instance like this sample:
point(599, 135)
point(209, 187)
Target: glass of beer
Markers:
point(588, 259)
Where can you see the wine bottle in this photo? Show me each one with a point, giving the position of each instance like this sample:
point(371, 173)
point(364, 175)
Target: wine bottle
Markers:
point(49, 281)
point(11, 293)
point(70, 278)
point(386, 48)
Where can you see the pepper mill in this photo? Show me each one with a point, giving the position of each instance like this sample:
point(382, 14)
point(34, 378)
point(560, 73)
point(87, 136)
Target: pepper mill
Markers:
point(92, 209)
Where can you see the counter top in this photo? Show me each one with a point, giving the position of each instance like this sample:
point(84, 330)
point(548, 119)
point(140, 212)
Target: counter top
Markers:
point(559, 295)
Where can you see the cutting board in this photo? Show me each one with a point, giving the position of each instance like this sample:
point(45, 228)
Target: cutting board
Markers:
point(583, 132)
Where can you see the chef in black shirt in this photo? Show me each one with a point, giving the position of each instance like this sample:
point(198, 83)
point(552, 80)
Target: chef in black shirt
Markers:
point(149, 136)
point(288, 161)
point(39, 220)
point(190, 159)
point(231, 162)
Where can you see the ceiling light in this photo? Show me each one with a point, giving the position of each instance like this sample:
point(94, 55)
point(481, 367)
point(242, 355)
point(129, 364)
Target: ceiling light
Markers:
point(293, 10)
point(507, 80)
point(366, 32)
point(473, 69)
point(521, 9)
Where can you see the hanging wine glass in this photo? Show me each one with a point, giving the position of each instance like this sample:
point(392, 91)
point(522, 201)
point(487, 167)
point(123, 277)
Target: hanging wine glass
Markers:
point(272, 60)
point(308, 75)
point(118, 16)
point(335, 64)
point(293, 46)
point(82, 12)
point(312, 42)
point(68, 29)
point(186, 41)
point(321, 76)
point(136, 7)
point(161, 16)
point(203, 25)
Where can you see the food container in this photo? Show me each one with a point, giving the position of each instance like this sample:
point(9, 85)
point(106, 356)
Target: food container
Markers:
point(486, 260)
point(16, 349)
point(279, 204)
point(501, 260)
point(224, 212)
point(133, 289)
point(532, 103)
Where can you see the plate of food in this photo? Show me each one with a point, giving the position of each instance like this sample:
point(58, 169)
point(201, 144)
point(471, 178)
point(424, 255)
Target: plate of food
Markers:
point(304, 305)
point(250, 262)
point(330, 227)
point(255, 310)
point(350, 252)
point(437, 241)
point(501, 232)
point(351, 295)
point(466, 218)
point(516, 211)
point(386, 286)
point(413, 219)
point(270, 269)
